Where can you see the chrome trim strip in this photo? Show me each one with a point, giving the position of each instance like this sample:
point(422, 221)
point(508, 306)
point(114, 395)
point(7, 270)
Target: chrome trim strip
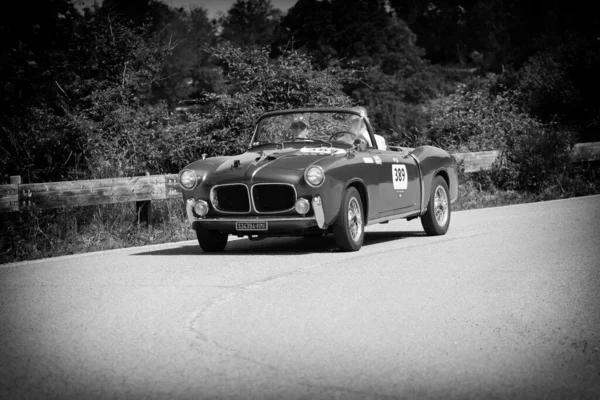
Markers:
point(272, 183)
point(421, 210)
point(393, 217)
point(232, 212)
point(255, 219)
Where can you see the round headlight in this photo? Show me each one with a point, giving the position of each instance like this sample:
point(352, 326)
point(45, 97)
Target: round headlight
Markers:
point(188, 179)
point(314, 176)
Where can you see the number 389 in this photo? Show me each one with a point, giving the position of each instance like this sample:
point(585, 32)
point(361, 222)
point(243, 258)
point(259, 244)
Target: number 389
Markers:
point(399, 174)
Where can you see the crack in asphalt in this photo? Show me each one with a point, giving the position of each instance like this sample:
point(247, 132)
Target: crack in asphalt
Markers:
point(195, 321)
point(194, 325)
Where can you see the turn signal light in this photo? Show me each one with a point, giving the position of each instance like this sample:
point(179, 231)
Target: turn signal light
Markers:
point(201, 208)
point(302, 206)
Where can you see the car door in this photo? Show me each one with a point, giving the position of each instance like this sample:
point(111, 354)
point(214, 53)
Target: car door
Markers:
point(399, 182)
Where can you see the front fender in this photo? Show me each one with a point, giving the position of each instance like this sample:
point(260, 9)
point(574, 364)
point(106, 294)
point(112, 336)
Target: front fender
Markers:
point(337, 182)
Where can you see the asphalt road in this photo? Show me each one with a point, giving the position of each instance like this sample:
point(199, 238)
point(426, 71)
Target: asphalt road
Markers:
point(506, 305)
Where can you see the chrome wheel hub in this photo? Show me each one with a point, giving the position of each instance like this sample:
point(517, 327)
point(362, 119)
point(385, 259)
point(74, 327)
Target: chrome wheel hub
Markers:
point(355, 222)
point(441, 206)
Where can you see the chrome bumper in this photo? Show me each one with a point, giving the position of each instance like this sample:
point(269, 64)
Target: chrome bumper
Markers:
point(317, 219)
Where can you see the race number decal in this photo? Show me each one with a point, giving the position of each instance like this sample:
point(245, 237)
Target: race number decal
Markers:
point(399, 176)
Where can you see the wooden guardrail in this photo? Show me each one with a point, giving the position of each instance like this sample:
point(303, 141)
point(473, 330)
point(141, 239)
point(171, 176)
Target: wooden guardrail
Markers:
point(478, 160)
point(472, 162)
point(32, 196)
point(583, 152)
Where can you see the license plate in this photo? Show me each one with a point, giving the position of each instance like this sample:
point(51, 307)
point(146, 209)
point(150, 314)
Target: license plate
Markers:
point(251, 226)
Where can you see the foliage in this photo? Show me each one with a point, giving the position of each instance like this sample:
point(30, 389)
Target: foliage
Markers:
point(363, 35)
point(560, 84)
point(396, 102)
point(187, 70)
point(94, 93)
point(477, 118)
point(533, 158)
point(250, 23)
point(257, 84)
point(52, 233)
point(41, 146)
point(36, 139)
point(359, 32)
point(37, 36)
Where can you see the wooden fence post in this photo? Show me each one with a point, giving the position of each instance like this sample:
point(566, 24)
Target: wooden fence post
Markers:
point(143, 210)
point(16, 180)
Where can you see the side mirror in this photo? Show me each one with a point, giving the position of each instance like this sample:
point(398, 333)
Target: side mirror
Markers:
point(360, 144)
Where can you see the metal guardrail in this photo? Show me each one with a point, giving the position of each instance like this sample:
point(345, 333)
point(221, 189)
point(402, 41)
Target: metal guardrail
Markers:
point(17, 196)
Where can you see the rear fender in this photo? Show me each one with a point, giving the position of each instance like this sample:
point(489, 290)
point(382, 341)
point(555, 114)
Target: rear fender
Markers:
point(435, 161)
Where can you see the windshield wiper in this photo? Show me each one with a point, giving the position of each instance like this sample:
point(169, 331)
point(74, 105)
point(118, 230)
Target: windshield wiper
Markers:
point(260, 144)
point(312, 140)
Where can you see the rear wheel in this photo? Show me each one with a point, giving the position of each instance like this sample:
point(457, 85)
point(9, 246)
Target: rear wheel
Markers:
point(349, 228)
point(437, 218)
point(211, 241)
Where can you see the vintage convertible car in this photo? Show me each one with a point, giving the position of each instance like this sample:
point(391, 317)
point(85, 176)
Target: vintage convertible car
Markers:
point(311, 172)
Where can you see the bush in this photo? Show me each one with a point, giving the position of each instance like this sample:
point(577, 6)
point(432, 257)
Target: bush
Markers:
point(257, 84)
point(479, 117)
point(559, 83)
point(472, 119)
point(533, 158)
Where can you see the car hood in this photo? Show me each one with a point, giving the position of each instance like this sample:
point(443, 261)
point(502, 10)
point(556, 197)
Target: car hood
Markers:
point(285, 165)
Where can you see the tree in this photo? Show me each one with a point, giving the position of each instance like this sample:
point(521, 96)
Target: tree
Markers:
point(187, 71)
point(250, 22)
point(559, 84)
point(358, 31)
point(34, 66)
point(129, 10)
point(364, 35)
point(91, 88)
point(36, 38)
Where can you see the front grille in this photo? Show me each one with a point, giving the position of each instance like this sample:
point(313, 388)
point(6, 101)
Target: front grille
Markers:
point(231, 198)
point(271, 198)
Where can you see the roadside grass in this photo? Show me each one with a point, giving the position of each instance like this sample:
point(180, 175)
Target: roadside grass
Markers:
point(51, 233)
point(478, 190)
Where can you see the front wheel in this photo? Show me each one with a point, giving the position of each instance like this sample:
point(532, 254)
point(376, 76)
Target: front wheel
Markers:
point(211, 241)
point(349, 228)
point(437, 218)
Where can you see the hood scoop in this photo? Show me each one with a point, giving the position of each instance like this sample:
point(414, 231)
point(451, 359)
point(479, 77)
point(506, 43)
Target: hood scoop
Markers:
point(265, 158)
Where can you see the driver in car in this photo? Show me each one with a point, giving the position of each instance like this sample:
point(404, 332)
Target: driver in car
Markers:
point(361, 129)
point(299, 128)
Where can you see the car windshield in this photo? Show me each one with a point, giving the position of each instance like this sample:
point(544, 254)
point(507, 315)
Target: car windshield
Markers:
point(315, 126)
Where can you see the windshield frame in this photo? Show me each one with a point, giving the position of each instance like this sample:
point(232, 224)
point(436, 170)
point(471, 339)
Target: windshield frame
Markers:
point(322, 121)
